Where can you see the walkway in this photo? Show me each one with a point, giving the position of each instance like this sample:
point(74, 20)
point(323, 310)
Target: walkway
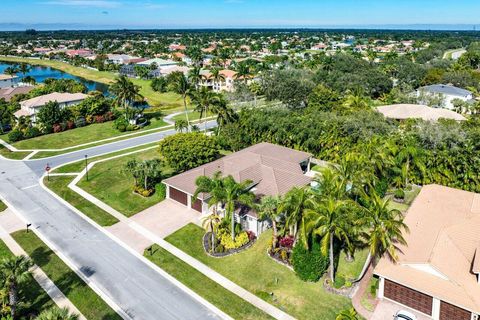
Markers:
point(362, 288)
point(204, 269)
point(9, 221)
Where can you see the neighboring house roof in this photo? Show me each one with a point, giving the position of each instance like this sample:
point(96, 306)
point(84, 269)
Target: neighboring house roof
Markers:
point(40, 101)
point(159, 62)
point(170, 69)
point(8, 93)
point(446, 89)
point(273, 169)
point(7, 77)
point(416, 111)
point(21, 113)
point(442, 241)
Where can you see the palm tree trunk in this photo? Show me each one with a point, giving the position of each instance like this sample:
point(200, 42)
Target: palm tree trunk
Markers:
point(233, 224)
point(12, 296)
point(406, 172)
point(275, 234)
point(332, 264)
point(186, 111)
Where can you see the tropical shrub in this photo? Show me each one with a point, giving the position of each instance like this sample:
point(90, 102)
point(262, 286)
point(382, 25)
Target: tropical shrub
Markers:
point(15, 135)
point(399, 194)
point(184, 151)
point(309, 264)
point(228, 243)
point(31, 132)
point(120, 124)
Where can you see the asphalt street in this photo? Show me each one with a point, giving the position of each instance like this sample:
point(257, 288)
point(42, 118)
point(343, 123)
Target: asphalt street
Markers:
point(138, 289)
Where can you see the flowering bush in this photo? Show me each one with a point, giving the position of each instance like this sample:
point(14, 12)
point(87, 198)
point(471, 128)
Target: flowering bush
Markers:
point(228, 243)
point(286, 242)
point(57, 128)
point(99, 119)
point(251, 235)
point(70, 124)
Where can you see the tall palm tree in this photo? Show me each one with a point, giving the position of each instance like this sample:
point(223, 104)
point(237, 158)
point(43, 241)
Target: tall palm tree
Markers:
point(236, 193)
point(203, 100)
point(325, 216)
point(195, 76)
point(56, 313)
point(24, 68)
point(11, 71)
point(126, 93)
point(225, 114)
point(268, 209)
point(181, 86)
point(181, 125)
point(14, 271)
point(410, 156)
point(214, 188)
point(217, 76)
point(243, 71)
point(293, 206)
point(383, 227)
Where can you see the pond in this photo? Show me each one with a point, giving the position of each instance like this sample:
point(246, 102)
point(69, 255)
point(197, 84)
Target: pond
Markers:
point(40, 73)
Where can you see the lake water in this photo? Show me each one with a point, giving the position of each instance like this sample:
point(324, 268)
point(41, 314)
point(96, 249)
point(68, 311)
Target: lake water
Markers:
point(40, 73)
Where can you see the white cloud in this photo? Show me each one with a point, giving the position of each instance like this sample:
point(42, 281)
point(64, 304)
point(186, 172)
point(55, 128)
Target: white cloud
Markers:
point(84, 3)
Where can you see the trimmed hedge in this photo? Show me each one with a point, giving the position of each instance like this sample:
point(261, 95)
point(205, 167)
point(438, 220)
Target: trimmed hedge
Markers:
point(309, 264)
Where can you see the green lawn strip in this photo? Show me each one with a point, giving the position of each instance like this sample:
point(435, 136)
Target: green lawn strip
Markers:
point(80, 164)
point(74, 288)
point(258, 273)
point(167, 100)
point(59, 185)
point(351, 270)
point(19, 155)
point(75, 137)
point(3, 206)
point(223, 299)
point(34, 298)
point(109, 183)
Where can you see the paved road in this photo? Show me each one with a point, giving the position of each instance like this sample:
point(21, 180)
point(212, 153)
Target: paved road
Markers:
point(138, 289)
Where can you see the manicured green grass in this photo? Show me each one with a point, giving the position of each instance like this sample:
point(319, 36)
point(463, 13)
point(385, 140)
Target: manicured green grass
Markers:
point(3, 206)
point(410, 195)
point(59, 185)
point(70, 138)
point(34, 298)
point(167, 100)
point(12, 155)
point(79, 293)
point(191, 116)
point(258, 273)
point(223, 299)
point(351, 270)
point(78, 166)
point(109, 183)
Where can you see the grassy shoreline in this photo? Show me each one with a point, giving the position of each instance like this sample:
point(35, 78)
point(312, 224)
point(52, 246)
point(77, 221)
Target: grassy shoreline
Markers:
point(168, 100)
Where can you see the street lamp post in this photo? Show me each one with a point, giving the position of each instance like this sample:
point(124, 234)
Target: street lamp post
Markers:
point(86, 166)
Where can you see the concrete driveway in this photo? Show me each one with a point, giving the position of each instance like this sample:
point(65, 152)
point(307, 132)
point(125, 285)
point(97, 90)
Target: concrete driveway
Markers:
point(166, 217)
point(386, 309)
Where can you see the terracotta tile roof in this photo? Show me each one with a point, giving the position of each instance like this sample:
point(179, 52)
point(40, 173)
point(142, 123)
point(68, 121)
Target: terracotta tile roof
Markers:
point(8, 93)
point(415, 111)
point(444, 237)
point(273, 169)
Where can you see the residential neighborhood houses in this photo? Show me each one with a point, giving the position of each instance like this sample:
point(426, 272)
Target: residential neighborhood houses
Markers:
point(148, 172)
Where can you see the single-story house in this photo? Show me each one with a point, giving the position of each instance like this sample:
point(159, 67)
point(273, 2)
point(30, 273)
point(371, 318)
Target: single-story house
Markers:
point(9, 93)
point(119, 58)
point(161, 64)
point(417, 111)
point(273, 169)
point(30, 107)
point(447, 92)
point(7, 81)
point(438, 271)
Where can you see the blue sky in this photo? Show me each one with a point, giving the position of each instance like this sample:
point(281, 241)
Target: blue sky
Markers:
point(238, 13)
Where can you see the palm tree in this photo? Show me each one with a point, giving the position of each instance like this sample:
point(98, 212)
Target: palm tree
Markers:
point(213, 187)
point(181, 125)
point(195, 76)
point(236, 193)
point(125, 93)
point(243, 71)
point(410, 156)
point(210, 224)
point(24, 68)
point(56, 313)
point(268, 209)
point(256, 89)
point(30, 80)
point(14, 271)
point(348, 314)
point(181, 86)
point(383, 227)
point(293, 205)
point(217, 76)
point(203, 99)
point(11, 71)
point(225, 114)
point(355, 102)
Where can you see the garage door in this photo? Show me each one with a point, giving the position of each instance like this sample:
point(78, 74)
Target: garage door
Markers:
point(409, 297)
point(178, 195)
point(197, 205)
point(449, 311)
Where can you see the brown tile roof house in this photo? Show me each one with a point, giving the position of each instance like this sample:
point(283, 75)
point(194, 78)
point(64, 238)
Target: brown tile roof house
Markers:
point(8, 93)
point(273, 169)
point(416, 111)
point(438, 272)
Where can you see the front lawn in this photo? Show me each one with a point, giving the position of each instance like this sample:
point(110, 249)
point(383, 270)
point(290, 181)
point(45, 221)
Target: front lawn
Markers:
point(3, 206)
point(76, 290)
point(109, 183)
point(34, 299)
point(74, 137)
point(351, 270)
point(223, 299)
point(256, 272)
point(12, 155)
point(59, 185)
